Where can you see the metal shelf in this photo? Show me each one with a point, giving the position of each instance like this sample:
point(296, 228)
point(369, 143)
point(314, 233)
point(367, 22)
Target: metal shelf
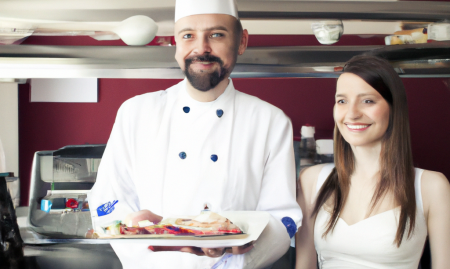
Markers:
point(363, 10)
point(29, 61)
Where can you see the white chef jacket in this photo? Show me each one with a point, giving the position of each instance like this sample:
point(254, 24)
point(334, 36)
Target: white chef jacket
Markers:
point(171, 154)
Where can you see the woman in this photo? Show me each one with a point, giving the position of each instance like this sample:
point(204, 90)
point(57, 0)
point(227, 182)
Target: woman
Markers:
point(374, 209)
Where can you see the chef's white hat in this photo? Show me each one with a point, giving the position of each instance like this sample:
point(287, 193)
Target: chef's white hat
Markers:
point(184, 8)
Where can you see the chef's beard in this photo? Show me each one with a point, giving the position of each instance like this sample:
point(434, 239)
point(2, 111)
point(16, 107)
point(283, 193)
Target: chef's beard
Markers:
point(205, 81)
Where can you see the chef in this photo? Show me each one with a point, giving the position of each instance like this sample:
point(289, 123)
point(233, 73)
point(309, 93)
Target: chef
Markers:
point(200, 142)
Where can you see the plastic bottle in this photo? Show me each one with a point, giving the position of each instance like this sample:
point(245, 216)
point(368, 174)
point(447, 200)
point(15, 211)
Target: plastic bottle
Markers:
point(307, 147)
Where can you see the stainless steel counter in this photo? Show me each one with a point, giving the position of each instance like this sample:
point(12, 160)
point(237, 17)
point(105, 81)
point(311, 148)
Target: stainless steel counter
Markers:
point(71, 256)
point(48, 253)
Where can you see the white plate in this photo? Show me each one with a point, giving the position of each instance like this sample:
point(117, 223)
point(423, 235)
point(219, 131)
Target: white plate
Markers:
point(252, 223)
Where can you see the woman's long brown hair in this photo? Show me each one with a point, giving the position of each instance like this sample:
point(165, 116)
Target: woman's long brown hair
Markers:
point(396, 162)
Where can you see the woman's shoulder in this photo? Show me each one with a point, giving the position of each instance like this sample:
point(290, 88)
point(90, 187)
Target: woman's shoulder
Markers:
point(308, 179)
point(433, 181)
point(435, 188)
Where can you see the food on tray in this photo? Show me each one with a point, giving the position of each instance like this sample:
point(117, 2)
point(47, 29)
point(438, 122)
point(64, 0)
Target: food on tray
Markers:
point(111, 229)
point(207, 220)
point(207, 223)
point(155, 229)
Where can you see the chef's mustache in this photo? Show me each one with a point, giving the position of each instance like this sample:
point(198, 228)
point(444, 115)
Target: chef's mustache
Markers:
point(203, 58)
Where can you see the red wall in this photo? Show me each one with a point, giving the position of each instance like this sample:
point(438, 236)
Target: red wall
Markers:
point(49, 126)
point(254, 41)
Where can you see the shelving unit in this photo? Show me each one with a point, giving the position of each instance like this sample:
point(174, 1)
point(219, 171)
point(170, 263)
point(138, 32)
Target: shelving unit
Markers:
point(31, 61)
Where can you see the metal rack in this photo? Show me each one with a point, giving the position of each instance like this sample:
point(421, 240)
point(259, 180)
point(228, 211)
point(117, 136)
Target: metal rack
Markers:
point(418, 60)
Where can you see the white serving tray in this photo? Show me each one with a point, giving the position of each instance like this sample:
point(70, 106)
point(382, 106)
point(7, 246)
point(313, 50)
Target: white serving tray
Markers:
point(252, 223)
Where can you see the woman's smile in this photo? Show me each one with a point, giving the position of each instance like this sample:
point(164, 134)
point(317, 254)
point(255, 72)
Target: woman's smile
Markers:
point(357, 127)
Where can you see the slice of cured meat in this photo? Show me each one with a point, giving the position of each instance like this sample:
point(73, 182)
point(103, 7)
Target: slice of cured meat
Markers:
point(207, 223)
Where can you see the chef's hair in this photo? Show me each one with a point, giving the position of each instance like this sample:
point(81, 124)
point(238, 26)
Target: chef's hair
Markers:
point(396, 161)
point(238, 29)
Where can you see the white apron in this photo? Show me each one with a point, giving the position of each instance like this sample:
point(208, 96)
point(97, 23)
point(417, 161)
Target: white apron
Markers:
point(171, 154)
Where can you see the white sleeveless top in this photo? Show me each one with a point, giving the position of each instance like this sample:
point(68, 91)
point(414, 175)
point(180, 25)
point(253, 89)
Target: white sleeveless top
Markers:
point(369, 243)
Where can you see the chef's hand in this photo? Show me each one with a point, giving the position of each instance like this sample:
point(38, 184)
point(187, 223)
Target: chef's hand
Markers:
point(141, 215)
point(210, 252)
